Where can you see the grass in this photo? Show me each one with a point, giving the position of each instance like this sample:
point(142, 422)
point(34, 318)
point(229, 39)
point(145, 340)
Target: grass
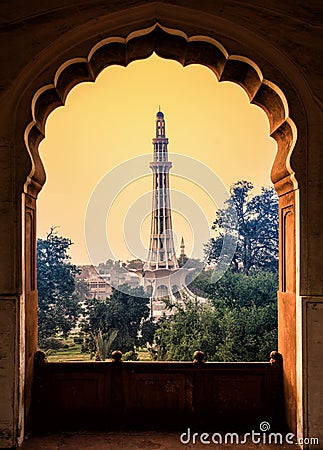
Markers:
point(72, 352)
point(143, 355)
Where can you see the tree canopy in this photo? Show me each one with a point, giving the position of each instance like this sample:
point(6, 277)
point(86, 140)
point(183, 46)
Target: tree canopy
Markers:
point(124, 311)
point(58, 306)
point(257, 229)
point(239, 323)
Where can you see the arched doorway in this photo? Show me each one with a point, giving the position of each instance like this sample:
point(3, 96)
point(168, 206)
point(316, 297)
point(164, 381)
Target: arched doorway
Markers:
point(176, 45)
point(188, 50)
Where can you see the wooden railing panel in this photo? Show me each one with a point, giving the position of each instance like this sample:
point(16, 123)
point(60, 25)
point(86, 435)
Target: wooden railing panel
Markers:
point(107, 394)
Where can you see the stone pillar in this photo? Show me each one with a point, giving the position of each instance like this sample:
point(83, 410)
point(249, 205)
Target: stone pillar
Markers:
point(312, 315)
point(18, 294)
point(12, 304)
point(287, 324)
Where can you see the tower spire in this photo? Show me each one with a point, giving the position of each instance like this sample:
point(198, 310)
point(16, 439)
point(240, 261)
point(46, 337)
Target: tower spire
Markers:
point(161, 253)
point(182, 247)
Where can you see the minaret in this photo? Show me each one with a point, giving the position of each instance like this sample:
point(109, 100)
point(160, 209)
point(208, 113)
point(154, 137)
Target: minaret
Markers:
point(161, 253)
point(182, 248)
point(182, 258)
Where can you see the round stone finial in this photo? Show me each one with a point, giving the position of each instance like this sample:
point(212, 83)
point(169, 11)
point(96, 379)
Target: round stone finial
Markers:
point(40, 357)
point(116, 356)
point(276, 357)
point(198, 357)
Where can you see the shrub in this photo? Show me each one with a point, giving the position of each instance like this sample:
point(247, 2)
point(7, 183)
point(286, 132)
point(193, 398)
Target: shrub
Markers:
point(51, 343)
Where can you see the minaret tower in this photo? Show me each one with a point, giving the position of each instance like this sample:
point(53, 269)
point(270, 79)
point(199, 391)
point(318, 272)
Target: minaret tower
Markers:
point(182, 247)
point(162, 274)
point(161, 253)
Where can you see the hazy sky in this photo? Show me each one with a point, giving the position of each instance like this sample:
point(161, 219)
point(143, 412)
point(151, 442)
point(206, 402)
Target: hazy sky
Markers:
point(107, 123)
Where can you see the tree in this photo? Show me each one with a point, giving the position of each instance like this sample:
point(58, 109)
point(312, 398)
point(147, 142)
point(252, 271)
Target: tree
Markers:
point(247, 313)
point(247, 333)
point(223, 333)
point(237, 289)
point(257, 229)
point(135, 264)
point(104, 344)
point(191, 328)
point(82, 290)
point(124, 311)
point(148, 330)
point(58, 307)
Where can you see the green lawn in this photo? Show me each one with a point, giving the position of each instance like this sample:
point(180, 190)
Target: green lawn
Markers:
point(73, 353)
point(144, 355)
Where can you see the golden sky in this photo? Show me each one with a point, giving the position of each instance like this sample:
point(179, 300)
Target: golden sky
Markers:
point(107, 123)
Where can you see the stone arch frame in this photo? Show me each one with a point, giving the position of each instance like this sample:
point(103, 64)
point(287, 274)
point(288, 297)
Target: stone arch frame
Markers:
point(194, 49)
point(170, 44)
point(237, 69)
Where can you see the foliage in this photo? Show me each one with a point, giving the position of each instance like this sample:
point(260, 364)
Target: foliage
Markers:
point(82, 290)
point(148, 330)
point(130, 356)
point(123, 311)
point(182, 260)
point(109, 265)
point(135, 264)
point(238, 289)
point(52, 343)
point(103, 344)
point(222, 332)
point(58, 306)
point(78, 340)
point(257, 229)
point(247, 333)
point(191, 328)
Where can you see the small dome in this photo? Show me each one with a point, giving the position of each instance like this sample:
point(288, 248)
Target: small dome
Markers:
point(160, 115)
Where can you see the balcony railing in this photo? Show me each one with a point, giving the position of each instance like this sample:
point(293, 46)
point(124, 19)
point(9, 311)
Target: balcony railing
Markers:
point(157, 394)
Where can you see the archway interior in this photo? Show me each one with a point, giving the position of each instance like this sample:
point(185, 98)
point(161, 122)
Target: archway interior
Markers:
point(175, 45)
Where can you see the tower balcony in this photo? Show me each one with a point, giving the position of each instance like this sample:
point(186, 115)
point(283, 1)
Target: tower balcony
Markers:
point(163, 166)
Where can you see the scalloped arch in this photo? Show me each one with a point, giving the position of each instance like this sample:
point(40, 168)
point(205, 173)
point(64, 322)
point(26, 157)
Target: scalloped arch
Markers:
point(169, 44)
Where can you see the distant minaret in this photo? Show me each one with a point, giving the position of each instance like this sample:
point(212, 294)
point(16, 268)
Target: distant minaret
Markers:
point(161, 253)
point(182, 247)
point(182, 258)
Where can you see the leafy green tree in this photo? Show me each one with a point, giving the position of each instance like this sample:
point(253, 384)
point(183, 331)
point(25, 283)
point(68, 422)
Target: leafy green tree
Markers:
point(257, 229)
point(82, 290)
point(58, 306)
point(124, 311)
point(223, 333)
point(148, 330)
point(237, 289)
point(247, 333)
point(135, 264)
point(193, 327)
point(103, 344)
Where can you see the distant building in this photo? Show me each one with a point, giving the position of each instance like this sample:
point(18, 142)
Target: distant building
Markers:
point(101, 279)
point(98, 287)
